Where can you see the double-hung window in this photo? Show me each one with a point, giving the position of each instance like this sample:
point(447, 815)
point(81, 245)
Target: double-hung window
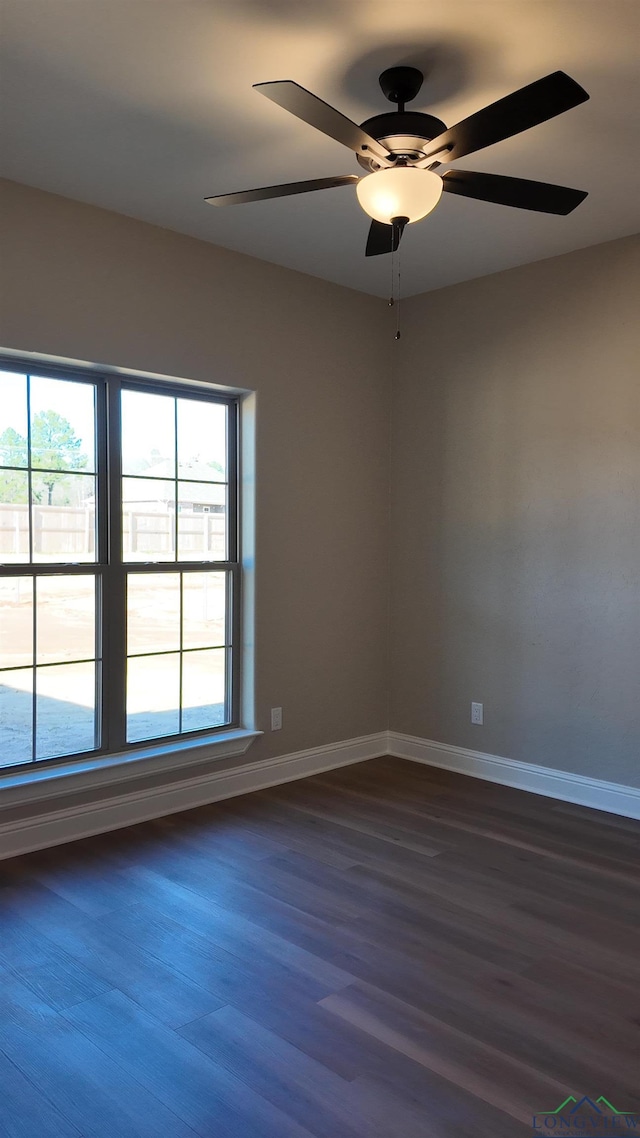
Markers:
point(119, 570)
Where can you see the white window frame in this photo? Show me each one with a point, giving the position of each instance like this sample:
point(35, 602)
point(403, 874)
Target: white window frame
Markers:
point(116, 759)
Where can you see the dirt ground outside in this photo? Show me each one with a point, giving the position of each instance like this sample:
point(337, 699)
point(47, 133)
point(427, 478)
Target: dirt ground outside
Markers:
point(160, 692)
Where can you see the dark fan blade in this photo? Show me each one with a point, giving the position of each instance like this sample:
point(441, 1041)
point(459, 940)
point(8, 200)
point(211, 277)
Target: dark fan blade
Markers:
point(319, 114)
point(539, 196)
point(527, 107)
point(282, 191)
point(382, 239)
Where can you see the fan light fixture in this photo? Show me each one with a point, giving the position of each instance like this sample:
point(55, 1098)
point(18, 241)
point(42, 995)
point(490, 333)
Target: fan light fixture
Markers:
point(395, 149)
point(401, 191)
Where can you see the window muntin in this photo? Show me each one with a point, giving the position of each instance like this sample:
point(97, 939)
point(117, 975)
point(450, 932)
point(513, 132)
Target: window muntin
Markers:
point(47, 470)
point(175, 487)
point(177, 632)
point(97, 654)
point(48, 659)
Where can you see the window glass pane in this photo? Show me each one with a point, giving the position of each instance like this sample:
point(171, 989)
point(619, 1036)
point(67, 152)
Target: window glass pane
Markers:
point(14, 516)
point(16, 706)
point(16, 622)
point(153, 696)
point(148, 434)
point(202, 440)
point(63, 517)
point(175, 495)
point(201, 521)
point(62, 424)
point(148, 519)
point(65, 710)
point(203, 689)
point(153, 612)
point(13, 419)
point(203, 610)
point(65, 619)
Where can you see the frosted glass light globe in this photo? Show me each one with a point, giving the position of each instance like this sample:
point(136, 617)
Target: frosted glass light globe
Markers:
point(401, 191)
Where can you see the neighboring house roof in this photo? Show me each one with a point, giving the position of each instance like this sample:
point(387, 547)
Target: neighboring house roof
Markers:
point(200, 471)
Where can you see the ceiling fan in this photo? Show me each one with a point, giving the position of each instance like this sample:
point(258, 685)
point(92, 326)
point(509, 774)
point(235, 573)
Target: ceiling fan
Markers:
point(402, 152)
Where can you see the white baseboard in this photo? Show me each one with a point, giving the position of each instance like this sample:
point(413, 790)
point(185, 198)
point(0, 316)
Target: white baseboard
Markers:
point(616, 798)
point(68, 823)
point(110, 811)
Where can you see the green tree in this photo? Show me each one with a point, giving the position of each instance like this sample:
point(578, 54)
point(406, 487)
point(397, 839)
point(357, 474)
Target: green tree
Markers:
point(13, 452)
point(13, 487)
point(13, 448)
point(54, 446)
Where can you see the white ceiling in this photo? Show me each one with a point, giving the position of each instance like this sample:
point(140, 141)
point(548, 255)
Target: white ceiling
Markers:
point(145, 107)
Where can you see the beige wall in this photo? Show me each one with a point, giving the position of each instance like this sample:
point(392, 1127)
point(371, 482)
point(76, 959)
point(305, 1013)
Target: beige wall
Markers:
point(515, 540)
point(516, 514)
point(91, 285)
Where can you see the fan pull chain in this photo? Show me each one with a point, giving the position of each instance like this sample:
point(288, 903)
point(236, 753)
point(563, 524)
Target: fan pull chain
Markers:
point(397, 335)
point(394, 299)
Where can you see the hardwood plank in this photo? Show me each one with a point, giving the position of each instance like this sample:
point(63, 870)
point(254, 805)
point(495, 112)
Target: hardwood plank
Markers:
point(511, 1013)
point(87, 1088)
point(225, 974)
point(323, 839)
point(300, 838)
point(311, 1029)
point(427, 816)
point(396, 903)
point(25, 1111)
point(203, 1094)
point(573, 981)
point(234, 933)
point(492, 1076)
point(501, 925)
point(46, 969)
point(84, 883)
point(286, 1076)
point(117, 961)
point(356, 820)
point(383, 951)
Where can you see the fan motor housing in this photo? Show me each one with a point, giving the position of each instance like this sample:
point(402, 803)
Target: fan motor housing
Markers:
point(404, 132)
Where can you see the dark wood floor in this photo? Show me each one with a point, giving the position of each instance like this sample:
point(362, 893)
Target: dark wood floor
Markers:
point(384, 951)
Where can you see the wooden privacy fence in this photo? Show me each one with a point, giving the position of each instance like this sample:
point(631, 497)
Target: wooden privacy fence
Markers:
point(60, 532)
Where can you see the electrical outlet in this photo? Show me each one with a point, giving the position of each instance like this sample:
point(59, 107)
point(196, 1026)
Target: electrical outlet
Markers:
point(477, 713)
point(276, 718)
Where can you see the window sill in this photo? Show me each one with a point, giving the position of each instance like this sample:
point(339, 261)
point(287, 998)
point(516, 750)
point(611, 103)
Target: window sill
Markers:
point(117, 771)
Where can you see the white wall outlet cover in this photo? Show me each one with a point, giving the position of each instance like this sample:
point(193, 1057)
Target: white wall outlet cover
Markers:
point(276, 718)
point(477, 713)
